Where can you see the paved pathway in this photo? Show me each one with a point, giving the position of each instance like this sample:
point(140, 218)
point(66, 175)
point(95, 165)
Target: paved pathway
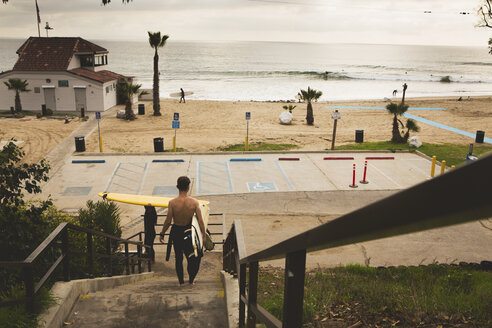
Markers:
point(159, 301)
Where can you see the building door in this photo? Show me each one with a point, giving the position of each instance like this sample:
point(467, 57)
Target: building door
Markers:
point(80, 100)
point(49, 98)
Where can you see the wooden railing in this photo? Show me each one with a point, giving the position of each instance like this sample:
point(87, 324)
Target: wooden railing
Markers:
point(60, 235)
point(212, 234)
point(458, 196)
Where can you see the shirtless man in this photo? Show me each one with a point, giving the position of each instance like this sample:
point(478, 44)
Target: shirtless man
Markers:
point(180, 212)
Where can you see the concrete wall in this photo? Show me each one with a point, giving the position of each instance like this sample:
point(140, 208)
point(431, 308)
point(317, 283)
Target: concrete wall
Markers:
point(97, 99)
point(74, 63)
point(67, 293)
point(109, 97)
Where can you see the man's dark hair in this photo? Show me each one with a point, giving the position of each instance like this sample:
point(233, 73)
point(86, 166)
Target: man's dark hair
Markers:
point(183, 183)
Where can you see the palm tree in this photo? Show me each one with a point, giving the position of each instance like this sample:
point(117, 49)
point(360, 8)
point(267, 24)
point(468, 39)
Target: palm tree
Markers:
point(308, 96)
point(156, 41)
point(411, 126)
point(398, 110)
point(289, 108)
point(127, 90)
point(18, 86)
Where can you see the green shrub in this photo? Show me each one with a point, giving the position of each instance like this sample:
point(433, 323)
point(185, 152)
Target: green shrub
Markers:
point(49, 112)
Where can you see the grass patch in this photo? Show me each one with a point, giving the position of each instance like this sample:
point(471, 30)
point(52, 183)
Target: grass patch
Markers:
point(258, 146)
point(453, 154)
point(16, 316)
point(396, 296)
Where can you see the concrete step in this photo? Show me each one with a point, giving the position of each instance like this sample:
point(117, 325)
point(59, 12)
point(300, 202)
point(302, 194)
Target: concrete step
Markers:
point(159, 301)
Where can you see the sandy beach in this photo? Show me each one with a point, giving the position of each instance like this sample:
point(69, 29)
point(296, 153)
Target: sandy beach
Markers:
point(207, 125)
point(36, 136)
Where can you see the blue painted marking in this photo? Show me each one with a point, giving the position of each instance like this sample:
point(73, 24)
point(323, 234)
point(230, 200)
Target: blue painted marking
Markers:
point(167, 160)
point(217, 185)
point(261, 186)
point(245, 160)
point(209, 165)
point(143, 178)
point(285, 176)
point(213, 168)
point(88, 161)
point(112, 177)
point(410, 108)
point(445, 127)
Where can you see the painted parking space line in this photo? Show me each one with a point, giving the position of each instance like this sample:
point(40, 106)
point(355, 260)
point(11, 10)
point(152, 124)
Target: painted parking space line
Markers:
point(214, 178)
point(384, 175)
point(284, 175)
point(128, 177)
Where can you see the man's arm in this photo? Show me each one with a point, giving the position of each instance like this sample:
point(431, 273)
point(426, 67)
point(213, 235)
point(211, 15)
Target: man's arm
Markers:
point(167, 222)
point(200, 220)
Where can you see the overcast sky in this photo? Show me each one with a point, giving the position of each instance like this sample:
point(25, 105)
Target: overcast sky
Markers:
point(324, 21)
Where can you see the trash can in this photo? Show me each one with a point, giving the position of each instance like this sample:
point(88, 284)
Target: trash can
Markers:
point(479, 137)
point(158, 145)
point(359, 136)
point(80, 143)
point(141, 109)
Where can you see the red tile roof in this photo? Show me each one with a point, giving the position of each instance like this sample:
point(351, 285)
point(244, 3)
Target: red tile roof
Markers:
point(52, 54)
point(101, 76)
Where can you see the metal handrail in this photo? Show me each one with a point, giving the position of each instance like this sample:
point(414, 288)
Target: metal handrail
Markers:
point(61, 231)
point(458, 196)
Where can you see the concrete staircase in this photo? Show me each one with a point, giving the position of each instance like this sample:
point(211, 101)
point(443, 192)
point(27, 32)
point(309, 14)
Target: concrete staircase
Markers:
point(158, 301)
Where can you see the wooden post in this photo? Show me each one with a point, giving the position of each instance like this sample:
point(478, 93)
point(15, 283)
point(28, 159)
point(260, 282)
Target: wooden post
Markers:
point(252, 294)
point(29, 283)
point(139, 260)
point(110, 258)
point(334, 134)
point(90, 254)
point(295, 268)
point(66, 258)
point(242, 291)
point(127, 259)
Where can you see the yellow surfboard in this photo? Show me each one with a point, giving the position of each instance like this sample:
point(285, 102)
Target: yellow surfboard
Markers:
point(161, 201)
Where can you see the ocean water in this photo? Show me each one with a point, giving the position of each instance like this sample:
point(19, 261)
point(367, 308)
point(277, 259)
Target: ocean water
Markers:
point(277, 71)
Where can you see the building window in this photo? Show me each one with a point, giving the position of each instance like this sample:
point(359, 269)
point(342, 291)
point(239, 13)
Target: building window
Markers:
point(107, 89)
point(100, 60)
point(62, 83)
point(37, 90)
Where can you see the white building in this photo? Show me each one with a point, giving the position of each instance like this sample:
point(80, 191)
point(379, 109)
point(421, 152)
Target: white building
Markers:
point(66, 74)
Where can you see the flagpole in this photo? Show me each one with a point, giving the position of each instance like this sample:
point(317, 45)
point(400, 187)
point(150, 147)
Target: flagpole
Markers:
point(38, 20)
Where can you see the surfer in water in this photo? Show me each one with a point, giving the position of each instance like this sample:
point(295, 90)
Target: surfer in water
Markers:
point(182, 96)
point(180, 213)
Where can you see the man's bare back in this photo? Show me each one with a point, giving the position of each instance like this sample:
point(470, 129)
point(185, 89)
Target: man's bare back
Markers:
point(180, 211)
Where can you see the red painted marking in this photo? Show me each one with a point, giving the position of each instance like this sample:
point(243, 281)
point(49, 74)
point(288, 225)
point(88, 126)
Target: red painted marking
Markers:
point(337, 158)
point(380, 158)
point(288, 158)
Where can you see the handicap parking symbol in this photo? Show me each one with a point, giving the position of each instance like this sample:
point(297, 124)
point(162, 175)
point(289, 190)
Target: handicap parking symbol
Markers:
point(261, 186)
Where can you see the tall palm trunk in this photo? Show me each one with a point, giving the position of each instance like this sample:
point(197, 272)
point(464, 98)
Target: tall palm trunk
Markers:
point(396, 131)
point(129, 114)
point(18, 106)
point(155, 88)
point(309, 114)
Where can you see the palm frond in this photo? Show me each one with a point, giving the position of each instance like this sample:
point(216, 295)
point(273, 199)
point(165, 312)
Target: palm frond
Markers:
point(412, 125)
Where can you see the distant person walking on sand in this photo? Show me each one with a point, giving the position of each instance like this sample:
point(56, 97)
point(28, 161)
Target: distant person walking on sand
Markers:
point(150, 220)
point(395, 92)
point(182, 96)
point(180, 213)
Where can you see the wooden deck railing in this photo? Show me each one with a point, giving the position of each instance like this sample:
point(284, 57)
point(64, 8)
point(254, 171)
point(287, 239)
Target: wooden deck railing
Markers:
point(458, 196)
